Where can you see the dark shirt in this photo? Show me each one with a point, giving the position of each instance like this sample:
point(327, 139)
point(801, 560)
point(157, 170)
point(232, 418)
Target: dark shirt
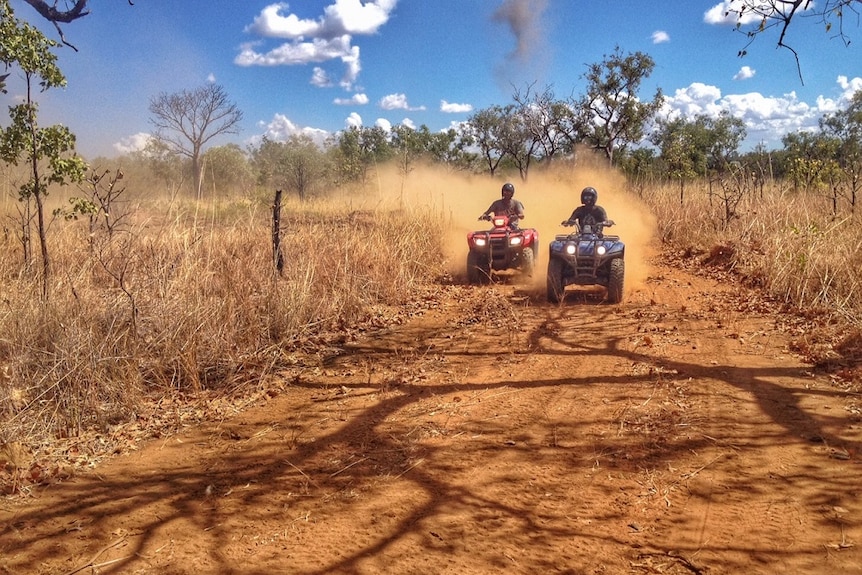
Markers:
point(588, 216)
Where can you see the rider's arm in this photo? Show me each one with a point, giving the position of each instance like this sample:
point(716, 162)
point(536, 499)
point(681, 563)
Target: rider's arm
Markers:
point(519, 207)
point(602, 213)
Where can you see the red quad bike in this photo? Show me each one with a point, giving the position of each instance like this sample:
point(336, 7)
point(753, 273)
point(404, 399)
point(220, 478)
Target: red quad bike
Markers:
point(501, 248)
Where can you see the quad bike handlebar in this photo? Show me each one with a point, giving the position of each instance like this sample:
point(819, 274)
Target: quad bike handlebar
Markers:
point(570, 223)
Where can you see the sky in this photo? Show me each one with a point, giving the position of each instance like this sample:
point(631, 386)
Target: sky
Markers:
point(319, 66)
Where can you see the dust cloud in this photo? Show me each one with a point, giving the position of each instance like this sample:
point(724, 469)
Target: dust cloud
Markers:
point(549, 197)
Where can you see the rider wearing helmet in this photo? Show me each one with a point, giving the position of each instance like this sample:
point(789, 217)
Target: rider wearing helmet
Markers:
point(507, 206)
point(587, 214)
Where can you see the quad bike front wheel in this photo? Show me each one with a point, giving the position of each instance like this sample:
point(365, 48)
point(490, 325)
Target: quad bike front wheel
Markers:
point(478, 268)
point(556, 289)
point(615, 281)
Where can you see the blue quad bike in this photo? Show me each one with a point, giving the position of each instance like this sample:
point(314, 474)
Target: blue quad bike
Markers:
point(586, 257)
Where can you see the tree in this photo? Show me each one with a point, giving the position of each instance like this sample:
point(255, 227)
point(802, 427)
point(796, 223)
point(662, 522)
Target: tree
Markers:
point(846, 127)
point(552, 123)
point(23, 46)
point(226, 168)
point(517, 139)
point(450, 147)
point(611, 113)
point(186, 121)
point(356, 149)
point(813, 166)
point(409, 145)
point(676, 141)
point(485, 131)
point(298, 165)
point(779, 14)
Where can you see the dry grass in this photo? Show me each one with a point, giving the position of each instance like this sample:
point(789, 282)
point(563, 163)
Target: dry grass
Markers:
point(186, 298)
point(788, 243)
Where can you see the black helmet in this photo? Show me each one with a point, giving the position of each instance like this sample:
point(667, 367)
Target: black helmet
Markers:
point(589, 196)
point(508, 189)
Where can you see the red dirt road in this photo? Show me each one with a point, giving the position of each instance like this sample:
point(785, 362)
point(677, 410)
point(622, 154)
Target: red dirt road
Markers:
point(674, 433)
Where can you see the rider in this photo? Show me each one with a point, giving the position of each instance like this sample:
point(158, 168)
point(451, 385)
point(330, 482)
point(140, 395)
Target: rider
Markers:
point(588, 214)
point(507, 206)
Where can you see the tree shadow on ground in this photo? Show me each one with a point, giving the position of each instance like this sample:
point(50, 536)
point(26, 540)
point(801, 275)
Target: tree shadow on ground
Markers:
point(367, 449)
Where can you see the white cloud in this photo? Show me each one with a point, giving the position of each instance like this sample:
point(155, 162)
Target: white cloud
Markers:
point(660, 37)
point(383, 123)
point(727, 13)
point(766, 118)
point(850, 87)
point(397, 102)
point(354, 120)
point(133, 143)
point(328, 37)
point(342, 17)
point(297, 53)
point(211, 78)
point(281, 128)
point(356, 99)
point(745, 73)
point(320, 78)
point(452, 108)
point(352, 66)
point(272, 23)
point(409, 123)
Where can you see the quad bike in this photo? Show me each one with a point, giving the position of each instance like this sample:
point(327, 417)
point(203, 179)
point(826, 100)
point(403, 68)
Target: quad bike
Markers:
point(503, 247)
point(586, 257)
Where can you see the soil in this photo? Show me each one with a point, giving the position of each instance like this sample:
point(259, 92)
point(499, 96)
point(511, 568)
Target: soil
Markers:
point(675, 433)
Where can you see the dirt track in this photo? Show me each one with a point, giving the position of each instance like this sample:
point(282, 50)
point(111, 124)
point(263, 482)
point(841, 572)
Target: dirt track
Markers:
point(674, 433)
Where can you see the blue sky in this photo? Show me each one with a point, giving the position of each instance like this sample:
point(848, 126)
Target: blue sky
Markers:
point(317, 66)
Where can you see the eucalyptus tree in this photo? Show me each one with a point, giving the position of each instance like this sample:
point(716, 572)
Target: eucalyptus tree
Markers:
point(298, 165)
point(485, 129)
point(49, 152)
point(612, 113)
point(517, 139)
point(846, 126)
point(812, 159)
point(355, 150)
point(409, 145)
point(451, 148)
point(551, 122)
point(676, 140)
point(227, 168)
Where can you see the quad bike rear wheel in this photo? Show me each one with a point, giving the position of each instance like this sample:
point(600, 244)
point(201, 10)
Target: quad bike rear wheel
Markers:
point(529, 263)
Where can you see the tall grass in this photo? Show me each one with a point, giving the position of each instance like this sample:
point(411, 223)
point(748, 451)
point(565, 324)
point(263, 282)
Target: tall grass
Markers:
point(788, 243)
point(186, 298)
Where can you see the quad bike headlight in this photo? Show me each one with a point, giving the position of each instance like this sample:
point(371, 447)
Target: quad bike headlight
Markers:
point(571, 249)
point(480, 242)
point(601, 250)
point(516, 241)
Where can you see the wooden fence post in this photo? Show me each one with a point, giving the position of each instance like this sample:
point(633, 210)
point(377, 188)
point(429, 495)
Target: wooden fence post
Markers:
point(277, 256)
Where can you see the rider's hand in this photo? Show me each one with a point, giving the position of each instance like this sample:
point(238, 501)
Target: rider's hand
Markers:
point(485, 217)
point(609, 223)
point(567, 223)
